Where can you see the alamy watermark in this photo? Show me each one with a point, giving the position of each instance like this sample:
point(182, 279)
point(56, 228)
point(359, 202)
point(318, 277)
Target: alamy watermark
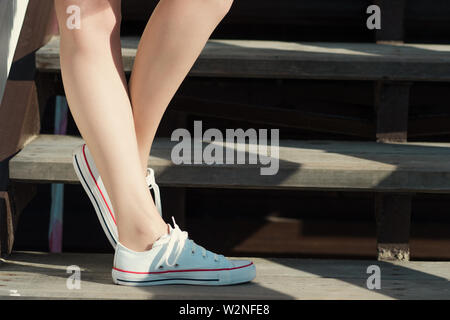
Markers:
point(74, 280)
point(74, 19)
point(374, 280)
point(251, 145)
point(374, 20)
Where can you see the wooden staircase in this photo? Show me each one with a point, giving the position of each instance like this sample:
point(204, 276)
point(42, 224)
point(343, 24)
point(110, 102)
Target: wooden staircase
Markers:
point(307, 165)
point(388, 165)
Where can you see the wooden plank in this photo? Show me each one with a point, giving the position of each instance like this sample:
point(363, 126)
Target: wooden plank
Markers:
point(291, 60)
point(19, 117)
point(393, 216)
point(429, 126)
point(19, 110)
point(12, 14)
point(391, 106)
point(6, 224)
point(39, 26)
point(19, 120)
point(303, 20)
point(302, 12)
point(315, 165)
point(392, 211)
point(43, 275)
point(392, 20)
point(276, 117)
point(327, 238)
point(19, 124)
point(420, 12)
point(266, 11)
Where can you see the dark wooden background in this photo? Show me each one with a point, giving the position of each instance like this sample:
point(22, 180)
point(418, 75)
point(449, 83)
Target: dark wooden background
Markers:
point(274, 223)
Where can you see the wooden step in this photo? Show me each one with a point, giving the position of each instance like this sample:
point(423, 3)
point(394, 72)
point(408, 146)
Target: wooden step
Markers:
point(292, 60)
point(322, 14)
point(40, 275)
point(314, 165)
point(321, 20)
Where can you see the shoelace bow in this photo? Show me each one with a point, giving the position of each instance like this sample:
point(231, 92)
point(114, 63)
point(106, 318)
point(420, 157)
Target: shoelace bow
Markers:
point(178, 238)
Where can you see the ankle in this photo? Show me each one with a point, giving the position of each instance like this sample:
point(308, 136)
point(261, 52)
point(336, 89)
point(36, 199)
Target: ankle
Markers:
point(141, 236)
point(140, 243)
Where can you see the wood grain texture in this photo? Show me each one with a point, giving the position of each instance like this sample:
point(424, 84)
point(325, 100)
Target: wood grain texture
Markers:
point(320, 165)
point(38, 28)
point(292, 60)
point(12, 14)
point(6, 224)
point(19, 117)
point(43, 275)
point(392, 109)
point(275, 117)
point(393, 216)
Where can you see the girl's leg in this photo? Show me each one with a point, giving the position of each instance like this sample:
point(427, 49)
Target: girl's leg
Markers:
point(96, 90)
point(173, 39)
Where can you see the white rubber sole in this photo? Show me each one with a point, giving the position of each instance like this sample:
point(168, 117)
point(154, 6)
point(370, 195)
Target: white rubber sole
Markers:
point(91, 181)
point(214, 277)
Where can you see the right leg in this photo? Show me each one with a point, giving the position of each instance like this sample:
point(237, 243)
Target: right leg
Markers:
point(96, 91)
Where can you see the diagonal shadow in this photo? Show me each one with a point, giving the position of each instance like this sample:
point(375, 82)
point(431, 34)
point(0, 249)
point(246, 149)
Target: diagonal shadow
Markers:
point(336, 165)
point(416, 277)
point(398, 280)
point(397, 167)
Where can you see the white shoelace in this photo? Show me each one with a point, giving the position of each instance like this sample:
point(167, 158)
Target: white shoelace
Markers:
point(150, 178)
point(179, 238)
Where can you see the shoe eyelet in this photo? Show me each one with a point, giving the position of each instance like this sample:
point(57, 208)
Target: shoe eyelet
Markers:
point(176, 264)
point(160, 267)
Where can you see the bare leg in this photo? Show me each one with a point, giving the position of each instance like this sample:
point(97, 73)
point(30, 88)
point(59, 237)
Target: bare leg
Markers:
point(96, 90)
point(173, 39)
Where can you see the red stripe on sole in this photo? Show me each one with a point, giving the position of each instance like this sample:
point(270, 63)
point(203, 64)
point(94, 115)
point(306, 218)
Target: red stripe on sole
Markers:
point(191, 270)
point(89, 168)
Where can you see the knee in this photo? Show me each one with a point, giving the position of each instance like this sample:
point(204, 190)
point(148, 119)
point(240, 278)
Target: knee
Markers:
point(85, 23)
point(223, 7)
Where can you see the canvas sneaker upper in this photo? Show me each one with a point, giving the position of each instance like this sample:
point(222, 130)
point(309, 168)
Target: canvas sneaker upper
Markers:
point(92, 183)
point(174, 258)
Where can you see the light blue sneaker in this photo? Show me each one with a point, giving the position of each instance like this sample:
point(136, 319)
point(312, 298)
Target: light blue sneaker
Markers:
point(176, 259)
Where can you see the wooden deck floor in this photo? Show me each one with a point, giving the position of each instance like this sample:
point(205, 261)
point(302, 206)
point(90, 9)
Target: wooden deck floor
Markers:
point(34, 275)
